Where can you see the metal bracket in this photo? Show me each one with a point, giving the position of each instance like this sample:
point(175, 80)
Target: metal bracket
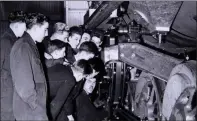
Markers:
point(147, 59)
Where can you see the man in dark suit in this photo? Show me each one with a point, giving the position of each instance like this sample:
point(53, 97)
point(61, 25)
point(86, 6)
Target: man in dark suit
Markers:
point(16, 29)
point(79, 101)
point(72, 74)
point(30, 89)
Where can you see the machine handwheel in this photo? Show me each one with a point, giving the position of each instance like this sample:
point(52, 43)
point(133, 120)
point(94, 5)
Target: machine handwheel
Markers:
point(147, 102)
point(183, 109)
point(179, 93)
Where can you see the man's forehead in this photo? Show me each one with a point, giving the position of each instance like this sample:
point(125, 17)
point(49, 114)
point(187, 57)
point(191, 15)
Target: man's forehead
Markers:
point(95, 38)
point(20, 22)
point(65, 32)
point(76, 35)
point(86, 34)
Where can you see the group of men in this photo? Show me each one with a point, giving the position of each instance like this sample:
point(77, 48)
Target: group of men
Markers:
point(48, 78)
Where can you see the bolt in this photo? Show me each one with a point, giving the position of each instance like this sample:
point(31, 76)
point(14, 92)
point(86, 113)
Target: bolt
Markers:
point(132, 55)
point(122, 55)
point(160, 38)
point(187, 57)
point(188, 107)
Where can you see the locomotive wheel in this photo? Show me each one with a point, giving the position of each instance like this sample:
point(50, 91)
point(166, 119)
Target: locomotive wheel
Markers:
point(182, 110)
point(147, 99)
point(179, 93)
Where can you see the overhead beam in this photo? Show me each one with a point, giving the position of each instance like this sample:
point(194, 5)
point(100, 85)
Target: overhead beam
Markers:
point(101, 13)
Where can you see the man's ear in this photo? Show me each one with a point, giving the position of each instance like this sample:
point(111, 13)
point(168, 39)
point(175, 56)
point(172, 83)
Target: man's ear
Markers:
point(69, 37)
point(101, 42)
point(34, 27)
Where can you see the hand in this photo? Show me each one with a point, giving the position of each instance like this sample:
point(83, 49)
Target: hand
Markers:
point(66, 62)
point(70, 118)
point(90, 76)
point(92, 79)
point(47, 56)
point(32, 103)
point(98, 103)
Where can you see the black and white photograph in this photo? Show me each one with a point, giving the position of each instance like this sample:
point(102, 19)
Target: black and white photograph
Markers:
point(98, 60)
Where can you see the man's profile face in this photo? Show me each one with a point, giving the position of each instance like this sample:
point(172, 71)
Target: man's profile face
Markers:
point(42, 31)
point(85, 37)
point(96, 40)
point(63, 36)
point(89, 85)
point(59, 53)
point(21, 28)
point(74, 40)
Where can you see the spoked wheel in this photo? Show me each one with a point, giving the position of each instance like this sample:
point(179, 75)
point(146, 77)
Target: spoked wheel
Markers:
point(147, 98)
point(183, 109)
point(179, 93)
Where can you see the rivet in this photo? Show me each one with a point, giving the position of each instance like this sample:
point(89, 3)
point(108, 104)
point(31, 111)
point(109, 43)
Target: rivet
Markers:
point(133, 55)
point(122, 55)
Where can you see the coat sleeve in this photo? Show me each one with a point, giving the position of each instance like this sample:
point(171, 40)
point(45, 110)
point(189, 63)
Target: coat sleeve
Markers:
point(68, 107)
point(5, 46)
point(61, 96)
point(52, 62)
point(22, 74)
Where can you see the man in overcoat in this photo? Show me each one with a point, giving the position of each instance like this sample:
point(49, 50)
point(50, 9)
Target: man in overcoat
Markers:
point(17, 27)
point(30, 89)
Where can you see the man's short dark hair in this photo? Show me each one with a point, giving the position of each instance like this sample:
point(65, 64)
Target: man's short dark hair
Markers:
point(88, 31)
point(17, 16)
point(54, 45)
point(98, 33)
point(75, 30)
point(98, 65)
point(35, 19)
point(84, 66)
point(89, 46)
point(60, 27)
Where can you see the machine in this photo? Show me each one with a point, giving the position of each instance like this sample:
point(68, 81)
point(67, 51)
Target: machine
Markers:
point(150, 57)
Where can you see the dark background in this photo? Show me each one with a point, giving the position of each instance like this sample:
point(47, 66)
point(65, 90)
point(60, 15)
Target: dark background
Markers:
point(53, 9)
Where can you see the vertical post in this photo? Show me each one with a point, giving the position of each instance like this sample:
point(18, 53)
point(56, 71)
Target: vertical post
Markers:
point(160, 39)
point(2, 11)
point(66, 11)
